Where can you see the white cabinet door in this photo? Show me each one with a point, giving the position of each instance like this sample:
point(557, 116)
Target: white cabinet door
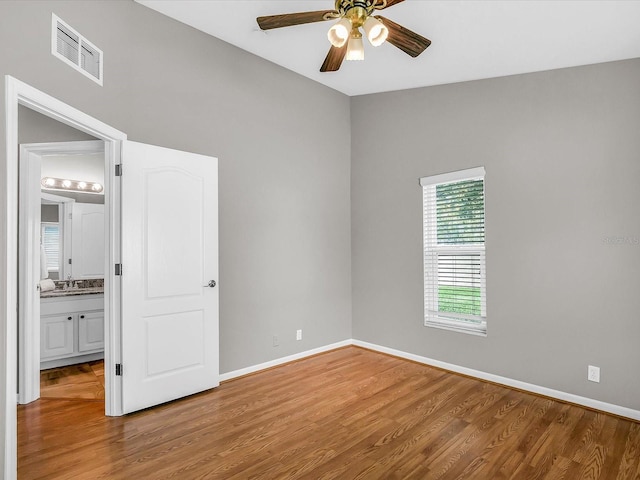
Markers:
point(90, 331)
point(87, 241)
point(169, 256)
point(56, 336)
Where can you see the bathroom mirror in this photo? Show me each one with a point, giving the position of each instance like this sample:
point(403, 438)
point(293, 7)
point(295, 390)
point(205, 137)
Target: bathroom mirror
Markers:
point(55, 234)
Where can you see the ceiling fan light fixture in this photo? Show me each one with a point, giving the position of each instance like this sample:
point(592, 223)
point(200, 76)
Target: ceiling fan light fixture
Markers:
point(338, 34)
point(345, 35)
point(355, 48)
point(376, 32)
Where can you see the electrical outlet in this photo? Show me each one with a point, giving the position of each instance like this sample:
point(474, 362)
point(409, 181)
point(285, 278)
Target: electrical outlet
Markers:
point(298, 334)
point(275, 341)
point(593, 374)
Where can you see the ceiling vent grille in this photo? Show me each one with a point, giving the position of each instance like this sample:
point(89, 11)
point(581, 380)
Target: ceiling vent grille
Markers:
point(75, 50)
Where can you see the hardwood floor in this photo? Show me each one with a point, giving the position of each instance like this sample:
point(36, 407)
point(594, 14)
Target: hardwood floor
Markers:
point(82, 381)
point(345, 414)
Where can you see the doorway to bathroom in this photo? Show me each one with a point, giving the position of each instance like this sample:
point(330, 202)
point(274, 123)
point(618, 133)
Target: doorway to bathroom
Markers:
point(62, 251)
point(161, 268)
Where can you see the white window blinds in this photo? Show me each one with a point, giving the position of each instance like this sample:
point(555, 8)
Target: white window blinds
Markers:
point(51, 243)
point(454, 253)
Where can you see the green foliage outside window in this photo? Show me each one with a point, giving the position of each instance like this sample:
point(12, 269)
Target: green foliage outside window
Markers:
point(460, 221)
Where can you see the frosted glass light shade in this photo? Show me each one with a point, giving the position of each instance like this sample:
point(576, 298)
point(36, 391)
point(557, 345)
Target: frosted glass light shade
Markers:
point(376, 32)
point(355, 49)
point(339, 33)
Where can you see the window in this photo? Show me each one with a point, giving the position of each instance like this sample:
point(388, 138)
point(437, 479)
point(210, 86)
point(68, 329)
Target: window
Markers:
point(51, 243)
point(454, 256)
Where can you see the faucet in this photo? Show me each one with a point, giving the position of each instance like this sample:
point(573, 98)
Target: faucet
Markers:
point(69, 281)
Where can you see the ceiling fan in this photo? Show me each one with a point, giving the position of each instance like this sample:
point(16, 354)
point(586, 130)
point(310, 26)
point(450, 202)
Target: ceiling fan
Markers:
point(345, 35)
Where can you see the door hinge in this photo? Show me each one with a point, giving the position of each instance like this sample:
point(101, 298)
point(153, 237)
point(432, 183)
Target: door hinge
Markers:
point(69, 261)
point(118, 369)
point(118, 269)
point(119, 170)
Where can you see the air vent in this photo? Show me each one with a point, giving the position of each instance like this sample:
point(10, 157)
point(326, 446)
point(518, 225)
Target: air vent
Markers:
point(75, 50)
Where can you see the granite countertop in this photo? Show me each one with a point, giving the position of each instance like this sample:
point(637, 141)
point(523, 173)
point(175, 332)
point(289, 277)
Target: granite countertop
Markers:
point(74, 288)
point(71, 292)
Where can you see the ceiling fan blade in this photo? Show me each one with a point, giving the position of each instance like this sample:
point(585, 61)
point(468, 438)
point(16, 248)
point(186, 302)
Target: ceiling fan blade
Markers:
point(290, 19)
point(380, 5)
point(409, 42)
point(334, 59)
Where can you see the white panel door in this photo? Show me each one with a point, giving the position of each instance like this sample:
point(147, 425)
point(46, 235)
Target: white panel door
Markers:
point(169, 258)
point(87, 241)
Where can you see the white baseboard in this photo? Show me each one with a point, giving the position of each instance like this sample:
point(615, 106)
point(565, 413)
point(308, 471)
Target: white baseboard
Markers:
point(547, 392)
point(508, 382)
point(280, 361)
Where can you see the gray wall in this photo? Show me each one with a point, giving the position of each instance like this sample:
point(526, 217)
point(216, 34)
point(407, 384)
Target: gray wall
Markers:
point(49, 213)
point(34, 127)
point(282, 141)
point(560, 150)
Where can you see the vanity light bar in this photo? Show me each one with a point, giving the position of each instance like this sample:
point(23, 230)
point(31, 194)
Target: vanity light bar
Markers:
point(50, 183)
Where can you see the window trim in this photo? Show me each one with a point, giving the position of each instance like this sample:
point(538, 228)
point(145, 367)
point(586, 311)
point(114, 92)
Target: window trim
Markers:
point(457, 176)
point(441, 319)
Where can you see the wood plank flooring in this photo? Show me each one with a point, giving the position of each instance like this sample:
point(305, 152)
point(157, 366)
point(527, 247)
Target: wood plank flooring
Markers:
point(345, 414)
point(81, 381)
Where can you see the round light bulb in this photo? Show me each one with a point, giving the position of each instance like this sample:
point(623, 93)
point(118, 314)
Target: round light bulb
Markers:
point(49, 182)
point(66, 183)
point(96, 187)
point(82, 185)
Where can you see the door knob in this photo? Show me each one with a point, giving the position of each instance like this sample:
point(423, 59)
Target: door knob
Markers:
point(211, 284)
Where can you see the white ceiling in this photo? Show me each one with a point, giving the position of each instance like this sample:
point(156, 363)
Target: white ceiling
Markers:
point(471, 39)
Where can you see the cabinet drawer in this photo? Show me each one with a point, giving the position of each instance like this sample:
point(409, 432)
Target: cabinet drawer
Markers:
point(80, 303)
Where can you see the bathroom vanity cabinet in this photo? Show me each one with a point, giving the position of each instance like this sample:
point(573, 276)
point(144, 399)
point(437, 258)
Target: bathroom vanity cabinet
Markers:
point(71, 330)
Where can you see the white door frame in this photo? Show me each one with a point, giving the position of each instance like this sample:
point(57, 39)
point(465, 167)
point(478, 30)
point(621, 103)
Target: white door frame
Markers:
point(28, 299)
point(19, 93)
